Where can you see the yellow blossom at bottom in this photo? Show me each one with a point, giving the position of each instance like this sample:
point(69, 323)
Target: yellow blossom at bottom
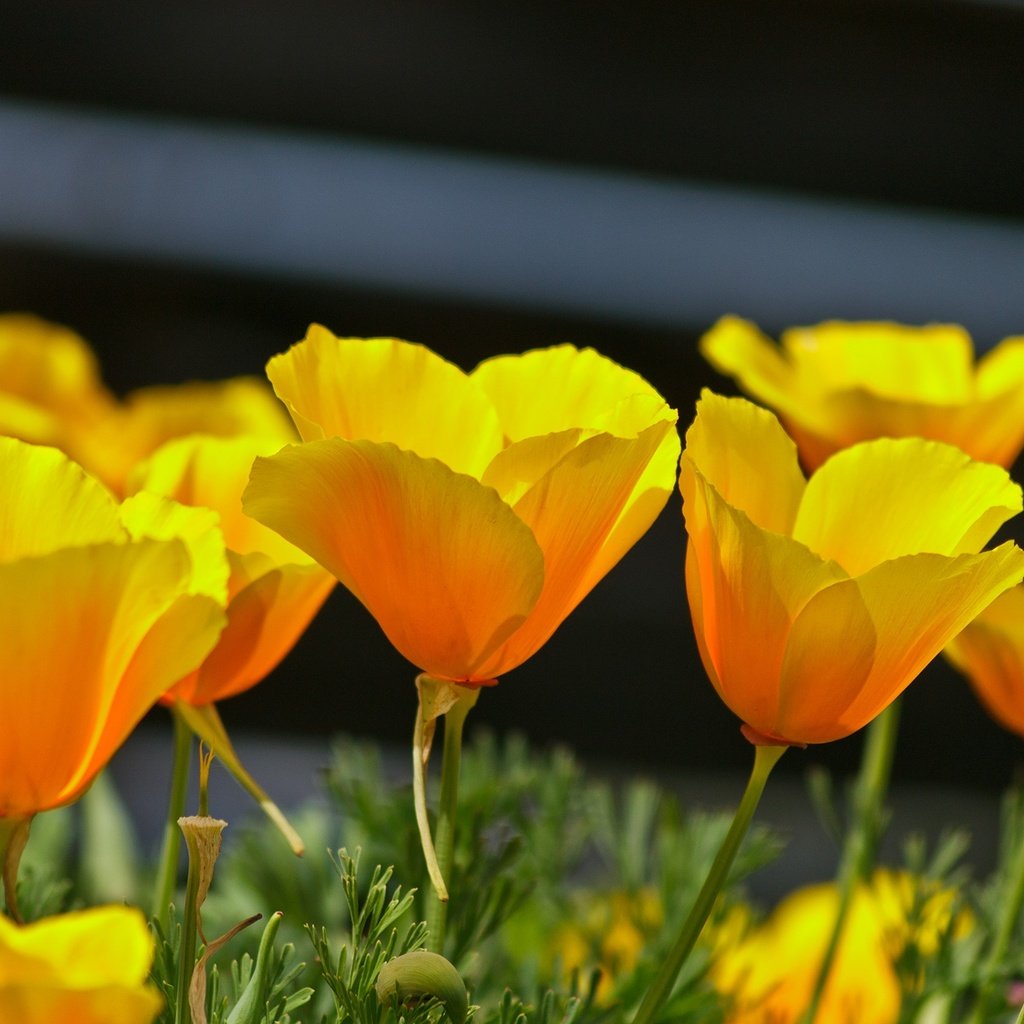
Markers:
point(768, 977)
point(87, 967)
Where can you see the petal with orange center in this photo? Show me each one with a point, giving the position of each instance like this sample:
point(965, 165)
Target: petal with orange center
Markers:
point(571, 511)
point(750, 586)
point(48, 502)
point(266, 617)
point(743, 451)
point(990, 652)
point(918, 604)
point(383, 389)
point(441, 562)
point(891, 497)
point(110, 1004)
point(78, 629)
point(554, 389)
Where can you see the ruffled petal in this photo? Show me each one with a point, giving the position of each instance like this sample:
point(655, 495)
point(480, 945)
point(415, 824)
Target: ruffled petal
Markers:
point(887, 498)
point(382, 389)
point(48, 502)
point(572, 511)
point(554, 389)
point(745, 454)
point(441, 562)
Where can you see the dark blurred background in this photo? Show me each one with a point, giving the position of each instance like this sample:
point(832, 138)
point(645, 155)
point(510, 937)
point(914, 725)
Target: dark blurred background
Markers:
point(189, 184)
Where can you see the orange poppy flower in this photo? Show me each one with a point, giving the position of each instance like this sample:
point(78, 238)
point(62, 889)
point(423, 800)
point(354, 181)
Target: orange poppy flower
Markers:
point(103, 608)
point(816, 602)
point(273, 590)
point(990, 652)
point(470, 513)
point(838, 383)
point(87, 967)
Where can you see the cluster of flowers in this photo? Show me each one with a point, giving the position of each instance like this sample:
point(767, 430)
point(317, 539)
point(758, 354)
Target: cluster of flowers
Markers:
point(172, 547)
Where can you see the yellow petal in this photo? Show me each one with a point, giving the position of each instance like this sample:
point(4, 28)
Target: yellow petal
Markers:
point(747, 586)
point(47, 502)
point(112, 1004)
point(212, 472)
point(886, 498)
point(444, 566)
point(572, 511)
point(149, 515)
point(745, 454)
point(382, 389)
point(266, 617)
point(947, 594)
point(92, 637)
point(549, 390)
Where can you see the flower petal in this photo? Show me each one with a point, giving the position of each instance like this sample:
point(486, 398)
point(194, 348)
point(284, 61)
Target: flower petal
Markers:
point(48, 502)
point(382, 389)
point(444, 566)
point(745, 454)
point(573, 510)
point(891, 497)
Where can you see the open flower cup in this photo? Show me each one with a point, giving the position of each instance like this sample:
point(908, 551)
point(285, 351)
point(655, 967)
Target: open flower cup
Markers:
point(841, 382)
point(816, 602)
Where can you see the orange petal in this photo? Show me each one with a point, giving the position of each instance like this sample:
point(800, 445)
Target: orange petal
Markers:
point(886, 498)
point(382, 389)
point(48, 502)
point(745, 454)
point(93, 635)
point(572, 511)
point(444, 566)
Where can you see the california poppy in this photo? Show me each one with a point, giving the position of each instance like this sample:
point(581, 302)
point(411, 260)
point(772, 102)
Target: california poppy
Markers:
point(838, 383)
point(816, 602)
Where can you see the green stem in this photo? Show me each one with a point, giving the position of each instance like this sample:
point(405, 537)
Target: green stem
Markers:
point(13, 838)
point(187, 947)
point(860, 847)
point(170, 851)
point(1007, 925)
point(444, 832)
point(765, 758)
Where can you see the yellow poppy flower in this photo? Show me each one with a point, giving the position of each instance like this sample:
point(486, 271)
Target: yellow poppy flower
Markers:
point(273, 590)
point(838, 383)
point(103, 608)
point(87, 967)
point(816, 602)
point(149, 417)
point(768, 977)
point(470, 513)
point(50, 387)
point(990, 652)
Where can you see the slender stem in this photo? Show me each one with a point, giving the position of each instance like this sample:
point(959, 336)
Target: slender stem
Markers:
point(13, 839)
point(765, 758)
point(444, 832)
point(861, 844)
point(167, 871)
point(187, 947)
point(1007, 925)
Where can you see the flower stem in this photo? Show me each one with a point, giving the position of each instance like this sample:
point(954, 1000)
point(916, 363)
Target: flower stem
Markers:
point(444, 832)
point(765, 758)
point(1011, 907)
point(13, 838)
point(861, 844)
point(167, 872)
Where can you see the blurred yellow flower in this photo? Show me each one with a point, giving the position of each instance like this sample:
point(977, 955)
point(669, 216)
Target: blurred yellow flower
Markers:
point(50, 387)
point(917, 912)
point(768, 977)
point(88, 967)
point(103, 607)
point(273, 590)
point(815, 603)
point(838, 383)
point(470, 513)
point(990, 652)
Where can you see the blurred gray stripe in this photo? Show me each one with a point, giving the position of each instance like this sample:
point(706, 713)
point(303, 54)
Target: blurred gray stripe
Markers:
point(464, 227)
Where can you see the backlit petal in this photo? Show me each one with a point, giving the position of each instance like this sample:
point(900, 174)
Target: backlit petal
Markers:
point(886, 498)
point(382, 389)
point(444, 566)
point(48, 502)
point(745, 454)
